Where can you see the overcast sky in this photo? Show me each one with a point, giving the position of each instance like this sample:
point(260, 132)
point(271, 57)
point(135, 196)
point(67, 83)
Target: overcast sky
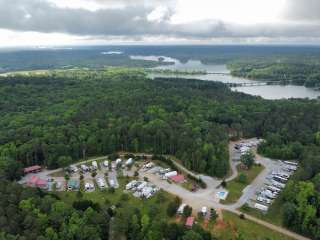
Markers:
point(69, 22)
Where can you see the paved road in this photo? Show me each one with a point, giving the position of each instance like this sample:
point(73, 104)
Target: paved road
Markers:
point(206, 197)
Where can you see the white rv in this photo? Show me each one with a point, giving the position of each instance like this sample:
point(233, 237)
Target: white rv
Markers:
point(261, 207)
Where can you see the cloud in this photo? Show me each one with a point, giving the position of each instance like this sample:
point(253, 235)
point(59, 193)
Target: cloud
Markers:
point(305, 10)
point(139, 19)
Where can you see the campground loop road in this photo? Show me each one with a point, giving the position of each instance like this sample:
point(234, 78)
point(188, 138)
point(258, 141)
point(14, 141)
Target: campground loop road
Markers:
point(203, 197)
point(206, 197)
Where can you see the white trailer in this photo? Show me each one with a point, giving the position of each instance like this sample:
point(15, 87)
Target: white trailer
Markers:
point(268, 194)
point(94, 165)
point(274, 189)
point(280, 179)
point(88, 186)
point(164, 171)
point(171, 174)
point(141, 186)
point(291, 163)
point(291, 168)
point(278, 184)
point(106, 163)
point(84, 168)
point(261, 207)
point(112, 183)
point(147, 192)
point(263, 200)
point(129, 162)
point(101, 183)
point(149, 165)
point(131, 184)
point(181, 208)
point(204, 211)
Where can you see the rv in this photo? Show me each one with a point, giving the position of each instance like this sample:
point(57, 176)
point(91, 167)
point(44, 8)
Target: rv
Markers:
point(278, 184)
point(164, 171)
point(112, 183)
point(141, 186)
point(88, 186)
point(129, 162)
point(171, 174)
point(101, 183)
point(94, 165)
point(204, 211)
point(131, 184)
point(118, 161)
point(106, 163)
point(84, 168)
point(261, 207)
point(274, 189)
point(291, 163)
point(181, 208)
point(268, 194)
point(263, 200)
point(280, 179)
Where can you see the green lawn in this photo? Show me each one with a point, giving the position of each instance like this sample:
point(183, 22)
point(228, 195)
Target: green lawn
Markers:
point(274, 214)
point(235, 187)
point(248, 229)
point(160, 199)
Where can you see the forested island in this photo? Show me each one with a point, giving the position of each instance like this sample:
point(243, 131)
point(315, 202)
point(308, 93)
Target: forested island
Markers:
point(297, 73)
point(76, 114)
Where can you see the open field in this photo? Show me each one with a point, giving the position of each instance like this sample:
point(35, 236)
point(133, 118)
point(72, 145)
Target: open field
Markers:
point(273, 215)
point(234, 226)
point(235, 187)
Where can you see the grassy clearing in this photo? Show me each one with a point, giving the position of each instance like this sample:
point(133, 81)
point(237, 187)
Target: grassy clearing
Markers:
point(234, 226)
point(274, 214)
point(235, 187)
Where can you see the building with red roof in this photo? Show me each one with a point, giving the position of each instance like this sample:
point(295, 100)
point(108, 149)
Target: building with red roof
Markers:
point(32, 169)
point(34, 181)
point(189, 222)
point(178, 178)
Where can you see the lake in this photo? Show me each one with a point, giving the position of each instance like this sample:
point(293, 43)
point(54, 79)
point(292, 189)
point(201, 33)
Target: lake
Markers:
point(267, 92)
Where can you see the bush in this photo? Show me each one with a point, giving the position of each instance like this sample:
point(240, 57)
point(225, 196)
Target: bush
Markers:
point(173, 207)
point(187, 211)
point(242, 178)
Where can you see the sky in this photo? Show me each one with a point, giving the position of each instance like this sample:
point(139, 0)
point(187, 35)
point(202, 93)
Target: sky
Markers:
point(97, 22)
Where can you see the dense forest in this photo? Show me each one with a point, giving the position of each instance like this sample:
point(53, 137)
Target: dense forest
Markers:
point(31, 214)
point(298, 73)
point(46, 118)
point(89, 113)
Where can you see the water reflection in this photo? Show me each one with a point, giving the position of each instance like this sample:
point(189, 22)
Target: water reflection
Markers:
point(267, 92)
